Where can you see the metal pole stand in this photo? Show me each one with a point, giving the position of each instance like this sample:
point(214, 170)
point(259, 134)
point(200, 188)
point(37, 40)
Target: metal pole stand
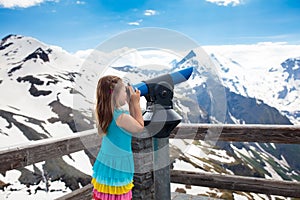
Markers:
point(161, 164)
point(160, 122)
point(160, 119)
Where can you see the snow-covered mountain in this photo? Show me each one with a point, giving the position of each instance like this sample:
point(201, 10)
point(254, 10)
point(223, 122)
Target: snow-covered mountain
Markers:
point(37, 84)
point(48, 92)
point(205, 98)
point(266, 71)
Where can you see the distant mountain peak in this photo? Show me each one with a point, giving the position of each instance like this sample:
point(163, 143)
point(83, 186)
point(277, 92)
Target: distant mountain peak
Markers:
point(11, 36)
point(126, 68)
point(3, 43)
point(190, 55)
point(4, 40)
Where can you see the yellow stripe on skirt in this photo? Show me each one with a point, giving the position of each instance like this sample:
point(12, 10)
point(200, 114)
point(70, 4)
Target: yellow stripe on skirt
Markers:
point(112, 189)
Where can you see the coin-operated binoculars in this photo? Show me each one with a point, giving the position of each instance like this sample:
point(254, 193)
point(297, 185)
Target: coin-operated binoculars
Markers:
point(159, 120)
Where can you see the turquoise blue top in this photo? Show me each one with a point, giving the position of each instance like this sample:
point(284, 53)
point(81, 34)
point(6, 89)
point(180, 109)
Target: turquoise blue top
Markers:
point(117, 141)
point(114, 165)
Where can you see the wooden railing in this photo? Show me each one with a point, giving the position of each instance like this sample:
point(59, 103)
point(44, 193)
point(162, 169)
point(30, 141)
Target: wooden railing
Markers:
point(284, 134)
point(237, 183)
point(37, 151)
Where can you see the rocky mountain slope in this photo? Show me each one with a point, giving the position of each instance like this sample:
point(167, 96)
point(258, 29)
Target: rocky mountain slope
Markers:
point(46, 92)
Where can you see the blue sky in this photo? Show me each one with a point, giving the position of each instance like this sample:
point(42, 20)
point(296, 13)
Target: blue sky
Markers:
point(83, 24)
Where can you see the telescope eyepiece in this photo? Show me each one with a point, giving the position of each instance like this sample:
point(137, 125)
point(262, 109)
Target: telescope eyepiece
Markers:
point(164, 90)
point(164, 93)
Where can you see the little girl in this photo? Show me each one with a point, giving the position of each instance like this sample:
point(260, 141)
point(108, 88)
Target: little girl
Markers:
point(113, 169)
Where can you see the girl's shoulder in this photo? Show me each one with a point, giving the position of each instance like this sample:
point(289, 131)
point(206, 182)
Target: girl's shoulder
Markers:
point(119, 111)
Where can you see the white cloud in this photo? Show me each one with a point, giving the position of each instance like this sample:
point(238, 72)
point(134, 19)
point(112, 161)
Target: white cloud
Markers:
point(271, 43)
point(136, 23)
point(21, 3)
point(226, 2)
point(80, 2)
point(150, 12)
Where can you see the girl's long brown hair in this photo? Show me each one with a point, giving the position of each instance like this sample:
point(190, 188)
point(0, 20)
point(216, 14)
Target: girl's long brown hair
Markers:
point(107, 89)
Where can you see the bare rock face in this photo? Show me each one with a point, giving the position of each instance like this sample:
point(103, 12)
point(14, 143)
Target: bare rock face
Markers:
point(180, 190)
point(54, 170)
point(39, 53)
point(58, 169)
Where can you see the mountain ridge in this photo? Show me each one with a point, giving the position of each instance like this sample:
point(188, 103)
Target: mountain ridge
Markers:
point(44, 79)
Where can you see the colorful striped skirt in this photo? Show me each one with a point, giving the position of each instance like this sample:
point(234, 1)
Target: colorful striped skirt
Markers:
point(113, 177)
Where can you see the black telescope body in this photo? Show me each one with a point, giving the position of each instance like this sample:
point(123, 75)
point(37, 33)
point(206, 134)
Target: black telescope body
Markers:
point(160, 118)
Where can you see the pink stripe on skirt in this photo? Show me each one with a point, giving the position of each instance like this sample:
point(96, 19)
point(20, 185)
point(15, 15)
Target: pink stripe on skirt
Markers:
point(104, 196)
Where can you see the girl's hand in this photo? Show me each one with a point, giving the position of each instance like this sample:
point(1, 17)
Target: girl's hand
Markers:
point(134, 95)
point(134, 122)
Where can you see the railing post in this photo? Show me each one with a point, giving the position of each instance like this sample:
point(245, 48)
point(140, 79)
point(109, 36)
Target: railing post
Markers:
point(143, 163)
